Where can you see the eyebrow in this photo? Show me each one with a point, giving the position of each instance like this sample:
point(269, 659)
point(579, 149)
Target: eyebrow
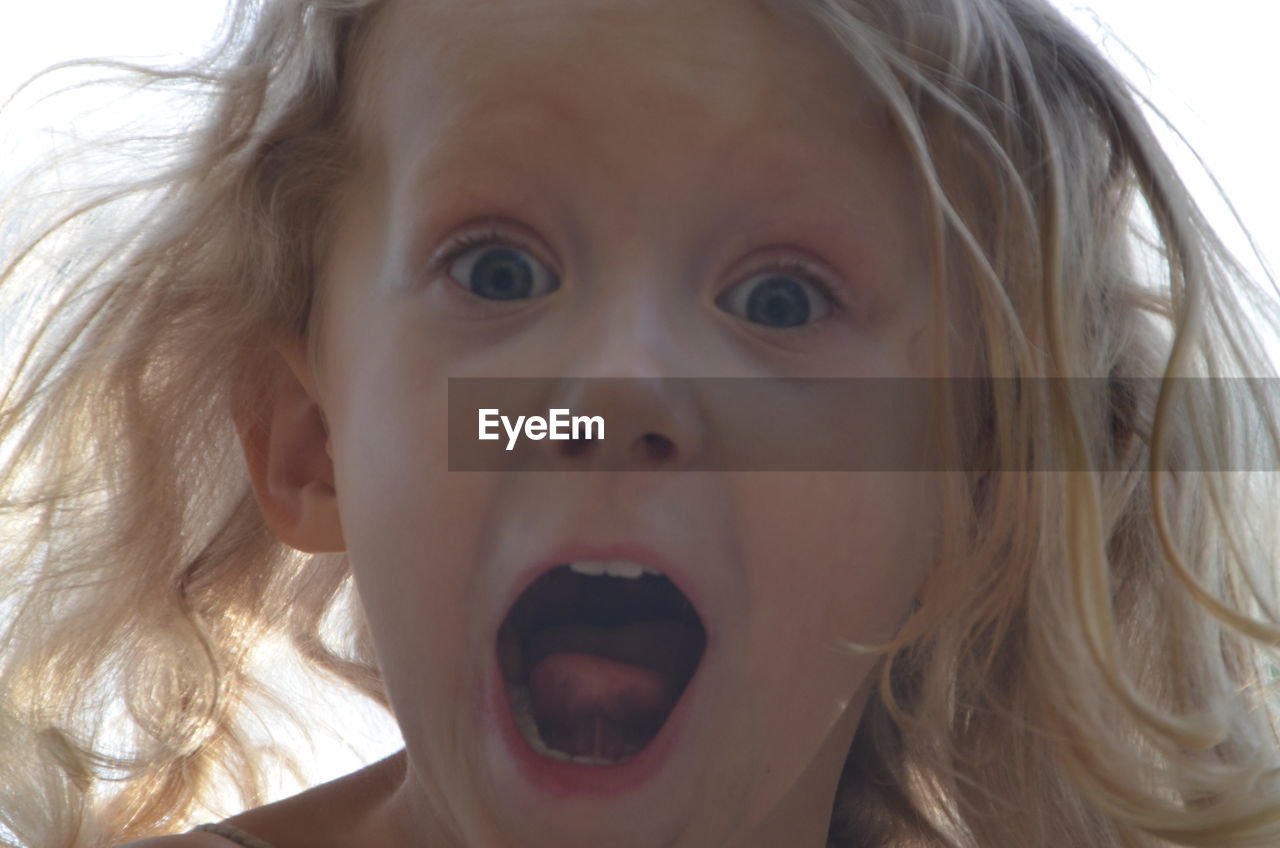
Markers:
point(777, 157)
point(543, 112)
point(816, 206)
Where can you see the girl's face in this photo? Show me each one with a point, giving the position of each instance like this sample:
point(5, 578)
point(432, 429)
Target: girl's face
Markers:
point(641, 164)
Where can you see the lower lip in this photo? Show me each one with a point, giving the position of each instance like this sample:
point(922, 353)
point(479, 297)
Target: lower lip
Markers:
point(561, 779)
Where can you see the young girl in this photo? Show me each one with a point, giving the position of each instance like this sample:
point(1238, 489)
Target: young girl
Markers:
point(234, 411)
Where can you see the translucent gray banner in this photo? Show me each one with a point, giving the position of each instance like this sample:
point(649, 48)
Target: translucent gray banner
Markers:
point(851, 424)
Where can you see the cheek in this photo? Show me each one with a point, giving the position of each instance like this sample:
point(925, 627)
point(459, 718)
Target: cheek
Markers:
point(404, 516)
point(392, 463)
point(412, 551)
point(835, 555)
point(388, 404)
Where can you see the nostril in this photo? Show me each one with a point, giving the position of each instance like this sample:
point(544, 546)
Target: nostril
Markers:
point(657, 446)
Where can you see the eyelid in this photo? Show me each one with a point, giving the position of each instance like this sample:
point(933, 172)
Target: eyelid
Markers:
point(488, 234)
point(807, 271)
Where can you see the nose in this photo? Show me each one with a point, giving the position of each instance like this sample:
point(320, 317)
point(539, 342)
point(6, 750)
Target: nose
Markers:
point(627, 375)
point(649, 424)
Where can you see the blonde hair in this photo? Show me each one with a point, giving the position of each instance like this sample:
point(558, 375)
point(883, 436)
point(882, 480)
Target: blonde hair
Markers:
point(1089, 666)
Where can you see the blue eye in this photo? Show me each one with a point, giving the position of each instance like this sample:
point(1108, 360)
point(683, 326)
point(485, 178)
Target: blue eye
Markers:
point(790, 296)
point(496, 268)
point(489, 268)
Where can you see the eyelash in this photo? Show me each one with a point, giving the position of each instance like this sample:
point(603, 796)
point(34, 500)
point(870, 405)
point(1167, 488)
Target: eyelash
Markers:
point(445, 256)
point(810, 275)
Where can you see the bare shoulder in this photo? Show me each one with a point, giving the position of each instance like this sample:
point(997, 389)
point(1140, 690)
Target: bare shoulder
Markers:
point(180, 840)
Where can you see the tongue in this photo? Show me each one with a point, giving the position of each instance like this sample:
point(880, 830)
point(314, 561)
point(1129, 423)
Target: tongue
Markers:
point(626, 679)
point(588, 702)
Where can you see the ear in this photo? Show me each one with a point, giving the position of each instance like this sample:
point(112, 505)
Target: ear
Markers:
point(286, 444)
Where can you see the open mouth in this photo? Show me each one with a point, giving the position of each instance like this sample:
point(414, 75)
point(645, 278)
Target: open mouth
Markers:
point(595, 656)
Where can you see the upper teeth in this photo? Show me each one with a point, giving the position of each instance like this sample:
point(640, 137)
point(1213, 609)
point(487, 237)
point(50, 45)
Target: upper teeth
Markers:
point(612, 567)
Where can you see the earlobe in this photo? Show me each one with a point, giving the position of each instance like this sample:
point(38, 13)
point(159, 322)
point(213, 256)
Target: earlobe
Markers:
point(286, 444)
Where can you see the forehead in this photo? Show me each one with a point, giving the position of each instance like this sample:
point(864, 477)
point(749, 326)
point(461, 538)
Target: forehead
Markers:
point(707, 74)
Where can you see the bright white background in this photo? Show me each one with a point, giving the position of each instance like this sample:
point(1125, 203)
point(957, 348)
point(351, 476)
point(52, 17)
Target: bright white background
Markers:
point(1213, 74)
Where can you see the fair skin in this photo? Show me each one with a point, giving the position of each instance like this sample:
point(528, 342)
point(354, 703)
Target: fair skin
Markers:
point(652, 156)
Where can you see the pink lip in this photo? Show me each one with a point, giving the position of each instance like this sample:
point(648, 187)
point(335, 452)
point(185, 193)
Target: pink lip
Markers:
point(635, 551)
